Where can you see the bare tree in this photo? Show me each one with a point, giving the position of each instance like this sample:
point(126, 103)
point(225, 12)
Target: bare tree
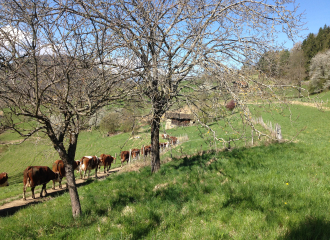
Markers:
point(173, 40)
point(296, 66)
point(56, 71)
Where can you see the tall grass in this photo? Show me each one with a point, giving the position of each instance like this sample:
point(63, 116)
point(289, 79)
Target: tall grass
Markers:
point(266, 192)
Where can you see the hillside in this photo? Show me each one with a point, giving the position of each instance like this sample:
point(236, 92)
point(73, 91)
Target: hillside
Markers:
point(271, 191)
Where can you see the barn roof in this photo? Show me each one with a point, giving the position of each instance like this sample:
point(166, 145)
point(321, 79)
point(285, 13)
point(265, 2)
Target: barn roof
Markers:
point(179, 116)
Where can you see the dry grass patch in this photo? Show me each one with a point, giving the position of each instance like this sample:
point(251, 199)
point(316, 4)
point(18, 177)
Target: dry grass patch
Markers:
point(160, 186)
point(128, 210)
point(135, 166)
point(211, 161)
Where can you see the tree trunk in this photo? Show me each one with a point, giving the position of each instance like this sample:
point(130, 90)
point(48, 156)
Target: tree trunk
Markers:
point(155, 158)
point(68, 162)
point(75, 203)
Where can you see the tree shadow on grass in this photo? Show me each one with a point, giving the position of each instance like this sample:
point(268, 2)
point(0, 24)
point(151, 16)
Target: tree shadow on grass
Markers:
point(194, 160)
point(142, 230)
point(311, 228)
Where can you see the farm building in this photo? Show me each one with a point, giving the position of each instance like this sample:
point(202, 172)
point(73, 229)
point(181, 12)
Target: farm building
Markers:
point(178, 120)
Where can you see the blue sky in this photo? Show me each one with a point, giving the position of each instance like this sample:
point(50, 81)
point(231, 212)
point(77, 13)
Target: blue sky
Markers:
point(317, 13)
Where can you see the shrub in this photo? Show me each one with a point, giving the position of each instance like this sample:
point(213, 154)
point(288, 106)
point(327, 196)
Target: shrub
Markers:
point(128, 121)
point(110, 123)
point(127, 125)
point(231, 105)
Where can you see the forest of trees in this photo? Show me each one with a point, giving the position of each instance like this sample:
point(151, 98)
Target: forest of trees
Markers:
point(305, 61)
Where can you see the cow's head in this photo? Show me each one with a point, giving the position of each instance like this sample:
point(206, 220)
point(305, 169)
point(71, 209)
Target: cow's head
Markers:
point(57, 177)
point(77, 165)
point(6, 177)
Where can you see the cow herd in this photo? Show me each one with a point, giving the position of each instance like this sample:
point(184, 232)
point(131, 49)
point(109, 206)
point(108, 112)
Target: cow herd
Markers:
point(41, 175)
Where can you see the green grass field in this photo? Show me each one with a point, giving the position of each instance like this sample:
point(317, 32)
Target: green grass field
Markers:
point(270, 191)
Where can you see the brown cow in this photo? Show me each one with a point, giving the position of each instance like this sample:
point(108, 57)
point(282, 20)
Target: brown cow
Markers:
point(89, 163)
point(147, 150)
point(106, 160)
point(162, 146)
point(37, 175)
point(78, 165)
point(124, 157)
point(173, 140)
point(135, 152)
point(58, 166)
point(4, 179)
point(165, 136)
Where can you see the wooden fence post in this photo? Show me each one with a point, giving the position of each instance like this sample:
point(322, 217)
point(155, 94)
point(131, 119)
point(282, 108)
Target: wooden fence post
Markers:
point(144, 156)
point(171, 150)
point(252, 137)
point(115, 157)
point(278, 131)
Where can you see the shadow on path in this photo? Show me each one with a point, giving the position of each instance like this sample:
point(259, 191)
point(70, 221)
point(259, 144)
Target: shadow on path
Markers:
point(12, 207)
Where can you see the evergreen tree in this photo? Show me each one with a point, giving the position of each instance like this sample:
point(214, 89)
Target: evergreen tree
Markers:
point(312, 45)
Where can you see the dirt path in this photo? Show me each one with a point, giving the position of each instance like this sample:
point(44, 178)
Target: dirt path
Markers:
point(13, 206)
point(311, 104)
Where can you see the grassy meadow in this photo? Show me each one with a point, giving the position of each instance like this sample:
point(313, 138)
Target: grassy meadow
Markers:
point(269, 191)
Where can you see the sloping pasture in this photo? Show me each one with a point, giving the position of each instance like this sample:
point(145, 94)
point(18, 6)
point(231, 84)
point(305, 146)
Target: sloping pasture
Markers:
point(270, 191)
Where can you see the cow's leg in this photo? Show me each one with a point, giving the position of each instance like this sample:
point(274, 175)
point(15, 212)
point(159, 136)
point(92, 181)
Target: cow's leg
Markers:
point(24, 190)
point(53, 185)
point(43, 189)
point(60, 183)
point(121, 163)
point(96, 172)
point(81, 175)
point(32, 190)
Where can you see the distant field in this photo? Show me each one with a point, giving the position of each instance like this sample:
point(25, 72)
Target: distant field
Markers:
point(271, 191)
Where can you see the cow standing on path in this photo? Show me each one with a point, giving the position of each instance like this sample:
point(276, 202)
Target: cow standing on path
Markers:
point(173, 140)
point(146, 150)
point(105, 161)
point(165, 136)
point(38, 175)
point(4, 179)
point(89, 163)
point(124, 157)
point(135, 153)
point(58, 166)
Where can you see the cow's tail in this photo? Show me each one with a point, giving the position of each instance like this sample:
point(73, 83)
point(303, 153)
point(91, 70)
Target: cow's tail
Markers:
point(26, 174)
point(81, 163)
